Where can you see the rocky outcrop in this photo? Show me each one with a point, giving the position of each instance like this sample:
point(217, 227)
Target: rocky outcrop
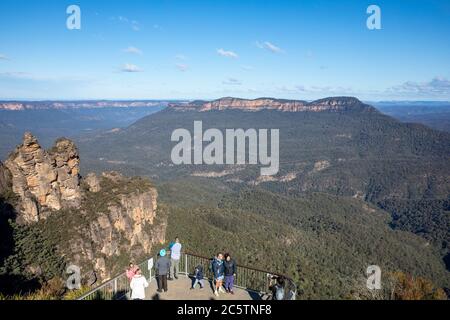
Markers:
point(328, 104)
point(93, 182)
point(44, 180)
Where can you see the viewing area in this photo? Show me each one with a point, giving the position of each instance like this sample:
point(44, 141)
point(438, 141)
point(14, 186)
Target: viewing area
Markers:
point(250, 284)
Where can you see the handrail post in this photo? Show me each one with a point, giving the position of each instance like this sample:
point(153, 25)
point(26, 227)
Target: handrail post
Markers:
point(115, 285)
point(186, 264)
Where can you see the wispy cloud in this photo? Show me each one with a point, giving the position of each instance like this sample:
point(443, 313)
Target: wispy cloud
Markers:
point(17, 75)
point(3, 57)
point(132, 23)
point(182, 67)
point(133, 50)
point(269, 46)
point(228, 54)
point(181, 57)
point(319, 90)
point(128, 67)
point(135, 26)
point(232, 81)
point(247, 68)
point(438, 86)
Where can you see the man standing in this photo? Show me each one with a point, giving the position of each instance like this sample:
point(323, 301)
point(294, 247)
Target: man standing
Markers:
point(162, 267)
point(175, 254)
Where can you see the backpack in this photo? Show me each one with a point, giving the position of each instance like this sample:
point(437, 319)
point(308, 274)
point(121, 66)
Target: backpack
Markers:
point(279, 292)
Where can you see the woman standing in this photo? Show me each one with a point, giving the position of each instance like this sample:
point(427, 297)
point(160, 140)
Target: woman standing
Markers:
point(218, 271)
point(138, 285)
point(230, 273)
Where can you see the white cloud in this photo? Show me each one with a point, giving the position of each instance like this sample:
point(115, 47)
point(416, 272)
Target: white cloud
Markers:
point(134, 50)
point(182, 67)
point(128, 67)
point(269, 46)
point(232, 81)
point(3, 57)
point(228, 54)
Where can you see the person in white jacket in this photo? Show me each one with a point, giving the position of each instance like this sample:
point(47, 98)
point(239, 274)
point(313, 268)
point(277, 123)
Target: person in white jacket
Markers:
point(138, 285)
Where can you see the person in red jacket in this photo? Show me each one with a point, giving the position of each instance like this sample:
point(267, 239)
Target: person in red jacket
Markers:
point(131, 271)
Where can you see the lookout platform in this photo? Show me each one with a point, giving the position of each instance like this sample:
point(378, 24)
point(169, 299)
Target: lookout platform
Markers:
point(179, 289)
point(250, 283)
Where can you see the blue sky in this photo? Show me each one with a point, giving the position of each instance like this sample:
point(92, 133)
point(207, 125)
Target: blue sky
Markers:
point(187, 49)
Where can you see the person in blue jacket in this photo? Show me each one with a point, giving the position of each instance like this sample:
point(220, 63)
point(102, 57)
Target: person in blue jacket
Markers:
point(218, 270)
point(198, 276)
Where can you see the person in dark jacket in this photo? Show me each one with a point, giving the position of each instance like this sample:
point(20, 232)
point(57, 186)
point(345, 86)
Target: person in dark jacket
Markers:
point(278, 289)
point(218, 270)
point(229, 272)
point(162, 268)
point(198, 276)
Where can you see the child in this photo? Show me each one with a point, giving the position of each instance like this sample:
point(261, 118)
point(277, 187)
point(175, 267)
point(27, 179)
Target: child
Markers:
point(198, 275)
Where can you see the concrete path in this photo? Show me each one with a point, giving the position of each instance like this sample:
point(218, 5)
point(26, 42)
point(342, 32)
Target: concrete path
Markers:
point(180, 290)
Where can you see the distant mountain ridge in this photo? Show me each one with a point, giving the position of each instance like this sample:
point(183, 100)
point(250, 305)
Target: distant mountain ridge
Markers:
point(335, 104)
point(82, 104)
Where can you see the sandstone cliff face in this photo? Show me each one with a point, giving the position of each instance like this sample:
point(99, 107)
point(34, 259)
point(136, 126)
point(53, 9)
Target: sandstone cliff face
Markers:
point(44, 180)
point(126, 227)
point(329, 104)
point(5, 179)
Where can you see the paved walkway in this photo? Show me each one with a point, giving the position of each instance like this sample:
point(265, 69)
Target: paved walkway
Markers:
point(180, 290)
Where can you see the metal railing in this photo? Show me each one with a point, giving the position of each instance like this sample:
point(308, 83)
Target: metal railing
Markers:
point(251, 279)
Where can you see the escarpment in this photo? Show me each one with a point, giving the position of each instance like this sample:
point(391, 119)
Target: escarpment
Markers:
point(333, 104)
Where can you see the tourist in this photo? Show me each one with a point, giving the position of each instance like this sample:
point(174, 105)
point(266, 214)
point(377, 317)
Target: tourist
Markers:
point(218, 270)
point(138, 285)
point(131, 271)
point(278, 289)
point(230, 273)
point(198, 276)
point(162, 268)
point(175, 255)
